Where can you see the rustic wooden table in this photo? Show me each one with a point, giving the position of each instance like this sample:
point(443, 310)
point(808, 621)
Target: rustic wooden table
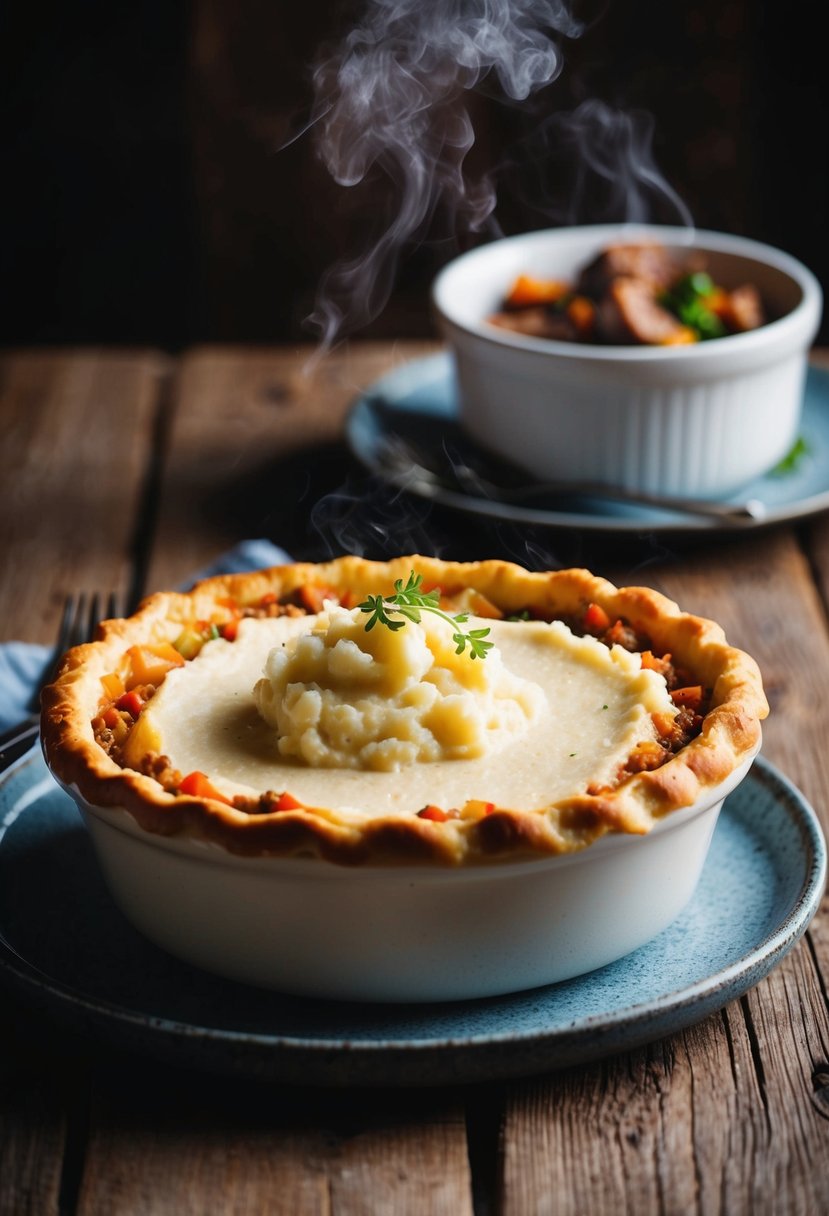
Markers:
point(130, 469)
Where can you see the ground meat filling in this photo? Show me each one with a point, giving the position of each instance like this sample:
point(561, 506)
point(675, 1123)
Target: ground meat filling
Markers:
point(118, 713)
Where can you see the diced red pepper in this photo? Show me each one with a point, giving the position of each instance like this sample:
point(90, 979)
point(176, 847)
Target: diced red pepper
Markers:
point(596, 619)
point(287, 802)
point(199, 786)
point(229, 630)
point(131, 702)
point(434, 813)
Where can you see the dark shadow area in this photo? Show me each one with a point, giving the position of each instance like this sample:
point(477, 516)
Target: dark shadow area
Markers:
point(330, 505)
point(152, 195)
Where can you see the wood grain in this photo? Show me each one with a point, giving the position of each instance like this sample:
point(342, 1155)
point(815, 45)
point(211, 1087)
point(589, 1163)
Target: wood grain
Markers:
point(32, 1138)
point(254, 433)
point(179, 1147)
point(78, 433)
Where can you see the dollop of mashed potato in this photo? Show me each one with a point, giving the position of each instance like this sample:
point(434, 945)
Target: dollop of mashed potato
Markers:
point(342, 697)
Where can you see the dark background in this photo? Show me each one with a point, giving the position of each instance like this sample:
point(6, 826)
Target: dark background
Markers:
point(146, 199)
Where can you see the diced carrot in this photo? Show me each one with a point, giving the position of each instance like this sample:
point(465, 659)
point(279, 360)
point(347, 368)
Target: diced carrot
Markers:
point(582, 313)
point(718, 302)
point(596, 619)
point(269, 598)
point(653, 662)
point(664, 724)
point(113, 686)
point(229, 630)
point(199, 786)
point(167, 652)
point(682, 336)
point(476, 808)
point(150, 664)
point(690, 697)
point(111, 717)
point(313, 596)
point(527, 290)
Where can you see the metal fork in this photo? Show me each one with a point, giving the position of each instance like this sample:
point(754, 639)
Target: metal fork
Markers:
point(79, 620)
point(410, 468)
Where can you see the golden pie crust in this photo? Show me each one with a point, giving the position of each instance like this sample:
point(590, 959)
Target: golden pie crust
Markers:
point(730, 731)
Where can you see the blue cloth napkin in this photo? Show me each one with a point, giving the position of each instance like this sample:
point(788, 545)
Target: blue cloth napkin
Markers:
point(23, 663)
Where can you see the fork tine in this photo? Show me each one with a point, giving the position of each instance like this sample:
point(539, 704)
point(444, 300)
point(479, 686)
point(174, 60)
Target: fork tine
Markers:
point(80, 625)
point(78, 622)
point(100, 608)
point(64, 639)
point(94, 614)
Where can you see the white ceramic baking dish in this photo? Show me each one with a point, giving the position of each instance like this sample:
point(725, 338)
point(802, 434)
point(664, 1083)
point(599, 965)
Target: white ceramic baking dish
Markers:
point(404, 933)
point(697, 421)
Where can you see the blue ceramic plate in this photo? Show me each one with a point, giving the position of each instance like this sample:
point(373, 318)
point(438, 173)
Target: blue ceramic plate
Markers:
point(66, 947)
point(417, 404)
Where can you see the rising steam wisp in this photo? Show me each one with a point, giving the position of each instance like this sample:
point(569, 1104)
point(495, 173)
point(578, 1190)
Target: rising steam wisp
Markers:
point(391, 102)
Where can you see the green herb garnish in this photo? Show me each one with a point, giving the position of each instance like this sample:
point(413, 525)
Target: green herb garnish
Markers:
point(688, 301)
point(792, 458)
point(410, 601)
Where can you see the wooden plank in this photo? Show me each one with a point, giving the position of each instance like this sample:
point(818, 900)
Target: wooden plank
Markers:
point(625, 1136)
point(77, 438)
point(32, 1137)
point(685, 1125)
point(167, 1149)
point(255, 432)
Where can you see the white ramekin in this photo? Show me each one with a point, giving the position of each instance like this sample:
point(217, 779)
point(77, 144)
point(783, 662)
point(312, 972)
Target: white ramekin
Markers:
point(403, 933)
point(696, 421)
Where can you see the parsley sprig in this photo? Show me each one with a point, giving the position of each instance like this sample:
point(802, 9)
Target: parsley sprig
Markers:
point(410, 601)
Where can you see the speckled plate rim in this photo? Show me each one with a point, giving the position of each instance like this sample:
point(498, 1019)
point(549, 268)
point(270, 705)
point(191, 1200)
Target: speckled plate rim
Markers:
point(414, 1062)
point(796, 496)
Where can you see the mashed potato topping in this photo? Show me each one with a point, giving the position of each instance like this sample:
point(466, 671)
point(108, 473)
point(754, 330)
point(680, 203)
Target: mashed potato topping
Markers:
point(594, 706)
point(342, 697)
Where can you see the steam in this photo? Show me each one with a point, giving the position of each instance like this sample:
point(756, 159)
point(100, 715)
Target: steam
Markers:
point(594, 164)
point(391, 102)
point(392, 110)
